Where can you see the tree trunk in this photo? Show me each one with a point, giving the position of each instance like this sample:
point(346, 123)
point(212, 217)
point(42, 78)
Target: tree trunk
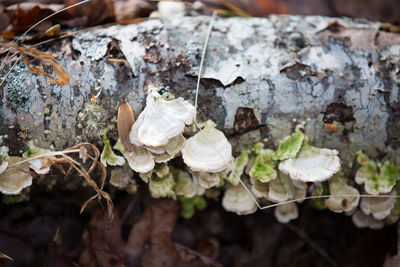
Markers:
point(262, 77)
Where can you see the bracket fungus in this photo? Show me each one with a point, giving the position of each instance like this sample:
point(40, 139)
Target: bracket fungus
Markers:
point(311, 164)
point(289, 147)
point(338, 186)
point(206, 179)
point(121, 178)
point(377, 179)
point(189, 205)
point(108, 156)
point(264, 167)
point(208, 150)
point(40, 166)
point(287, 212)
point(280, 189)
point(162, 187)
point(13, 179)
point(237, 199)
point(378, 207)
point(259, 189)
point(184, 185)
point(140, 160)
point(161, 120)
point(238, 167)
point(361, 220)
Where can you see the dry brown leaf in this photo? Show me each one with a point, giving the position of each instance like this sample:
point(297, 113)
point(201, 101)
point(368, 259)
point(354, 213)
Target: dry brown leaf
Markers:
point(103, 245)
point(125, 122)
point(150, 243)
point(24, 15)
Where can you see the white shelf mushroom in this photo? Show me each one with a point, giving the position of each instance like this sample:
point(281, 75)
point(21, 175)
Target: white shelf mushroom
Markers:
point(259, 189)
point(161, 120)
point(237, 199)
point(312, 164)
point(378, 207)
point(163, 187)
point(238, 167)
point(362, 220)
point(208, 150)
point(374, 182)
point(140, 160)
point(38, 165)
point(206, 179)
point(108, 156)
point(280, 189)
point(184, 185)
point(338, 186)
point(13, 180)
point(286, 212)
point(3, 166)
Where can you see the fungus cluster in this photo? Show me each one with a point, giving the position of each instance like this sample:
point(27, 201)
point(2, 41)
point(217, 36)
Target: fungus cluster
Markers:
point(206, 167)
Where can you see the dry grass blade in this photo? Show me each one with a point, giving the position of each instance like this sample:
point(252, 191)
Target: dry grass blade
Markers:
point(45, 59)
point(5, 256)
point(63, 157)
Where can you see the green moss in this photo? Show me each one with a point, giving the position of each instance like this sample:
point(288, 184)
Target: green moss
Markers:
point(289, 147)
point(93, 121)
point(189, 205)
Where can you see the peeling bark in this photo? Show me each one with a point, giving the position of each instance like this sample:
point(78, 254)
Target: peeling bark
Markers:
point(262, 77)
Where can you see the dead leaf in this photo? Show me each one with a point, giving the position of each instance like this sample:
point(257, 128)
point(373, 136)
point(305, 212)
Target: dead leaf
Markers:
point(150, 243)
point(24, 15)
point(125, 122)
point(103, 245)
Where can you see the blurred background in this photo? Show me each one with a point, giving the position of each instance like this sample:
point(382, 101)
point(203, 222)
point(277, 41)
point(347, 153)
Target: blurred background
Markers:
point(16, 15)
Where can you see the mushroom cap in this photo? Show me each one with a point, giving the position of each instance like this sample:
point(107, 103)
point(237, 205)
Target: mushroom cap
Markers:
point(259, 189)
point(375, 183)
point(121, 177)
point(162, 158)
point(338, 186)
point(237, 199)
point(286, 212)
point(13, 180)
point(380, 208)
point(280, 189)
point(161, 170)
point(184, 185)
point(312, 164)
point(140, 160)
point(238, 166)
point(263, 167)
point(206, 179)
point(108, 156)
point(3, 166)
point(300, 190)
point(38, 165)
point(290, 146)
point(161, 120)
point(361, 220)
point(207, 151)
point(163, 187)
